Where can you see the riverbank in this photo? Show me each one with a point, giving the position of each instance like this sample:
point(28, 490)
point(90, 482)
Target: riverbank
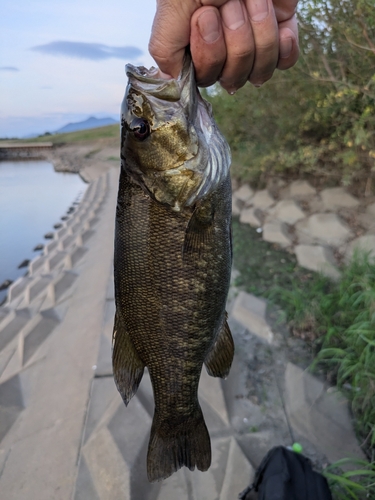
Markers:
point(60, 402)
point(90, 153)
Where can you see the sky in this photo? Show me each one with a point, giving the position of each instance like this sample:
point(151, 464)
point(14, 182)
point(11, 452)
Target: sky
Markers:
point(64, 61)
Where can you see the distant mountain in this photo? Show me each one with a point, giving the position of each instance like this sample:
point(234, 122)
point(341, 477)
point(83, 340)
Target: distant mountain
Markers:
point(91, 122)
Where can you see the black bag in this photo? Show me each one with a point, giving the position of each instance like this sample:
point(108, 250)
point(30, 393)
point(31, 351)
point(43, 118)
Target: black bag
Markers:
point(286, 475)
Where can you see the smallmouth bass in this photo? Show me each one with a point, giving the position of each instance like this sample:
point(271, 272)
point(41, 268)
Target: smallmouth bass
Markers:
point(172, 260)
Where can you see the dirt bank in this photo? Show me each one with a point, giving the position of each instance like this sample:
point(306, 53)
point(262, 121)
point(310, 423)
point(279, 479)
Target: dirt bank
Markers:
point(89, 159)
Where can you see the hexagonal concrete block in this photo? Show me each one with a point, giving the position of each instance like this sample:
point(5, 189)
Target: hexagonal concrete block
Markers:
point(317, 258)
point(244, 193)
point(250, 216)
point(287, 211)
point(367, 220)
point(301, 189)
point(328, 228)
point(262, 199)
point(251, 313)
point(364, 243)
point(276, 232)
point(335, 198)
point(236, 206)
point(320, 415)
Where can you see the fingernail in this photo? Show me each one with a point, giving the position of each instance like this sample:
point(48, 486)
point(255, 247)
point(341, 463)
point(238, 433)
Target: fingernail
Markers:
point(232, 15)
point(208, 24)
point(258, 10)
point(286, 45)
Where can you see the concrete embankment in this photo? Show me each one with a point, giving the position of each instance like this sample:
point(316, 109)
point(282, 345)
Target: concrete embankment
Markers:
point(65, 433)
point(14, 151)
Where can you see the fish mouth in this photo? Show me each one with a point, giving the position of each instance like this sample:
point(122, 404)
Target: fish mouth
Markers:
point(148, 80)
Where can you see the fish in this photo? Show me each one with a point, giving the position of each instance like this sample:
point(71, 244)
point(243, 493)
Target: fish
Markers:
point(172, 260)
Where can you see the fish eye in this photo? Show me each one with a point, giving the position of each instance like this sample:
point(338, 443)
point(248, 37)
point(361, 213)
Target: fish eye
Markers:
point(141, 129)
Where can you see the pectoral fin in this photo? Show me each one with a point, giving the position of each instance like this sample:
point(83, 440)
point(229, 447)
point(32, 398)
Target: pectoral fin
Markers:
point(219, 359)
point(199, 231)
point(127, 366)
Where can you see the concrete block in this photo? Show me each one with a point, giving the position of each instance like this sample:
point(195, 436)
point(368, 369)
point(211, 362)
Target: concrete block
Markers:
point(317, 258)
point(364, 243)
point(34, 339)
point(5, 357)
point(238, 474)
point(38, 287)
point(63, 284)
point(48, 249)
point(276, 232)
point(324, 228)
point(287, 211)
point(250, 216)
point(320, 415)
point(56, 260)
point(104, 363)
point(236, 206)
point(335, 198)
point(110, 475)
point(301, 189)
point(37, 264)
point(208, 485)
point(244, 193)
point(11, 404)
point(13, 328)
point(251, 313)
point(210, 389)
point(18, 287)
point(262, 199)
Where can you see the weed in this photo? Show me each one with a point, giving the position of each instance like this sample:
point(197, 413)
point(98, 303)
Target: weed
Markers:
point(356, 484)
point(338, 319)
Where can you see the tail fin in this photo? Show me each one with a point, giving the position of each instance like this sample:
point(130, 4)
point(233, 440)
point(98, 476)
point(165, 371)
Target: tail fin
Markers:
point(170, 448)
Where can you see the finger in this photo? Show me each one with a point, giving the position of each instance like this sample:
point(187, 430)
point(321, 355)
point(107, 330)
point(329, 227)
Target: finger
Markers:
point(239, 43)
point(289, 48)
point(170, 35)
point(207, 45)
point(284, 9)
point(266, 39)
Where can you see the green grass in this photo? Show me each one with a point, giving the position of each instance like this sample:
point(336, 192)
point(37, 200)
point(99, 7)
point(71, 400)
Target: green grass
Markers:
point(338, 319)
point(110, 131)
point(355, 484)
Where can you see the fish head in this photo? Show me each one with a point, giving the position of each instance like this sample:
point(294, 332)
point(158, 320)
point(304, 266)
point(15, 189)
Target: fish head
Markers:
point(165, 127)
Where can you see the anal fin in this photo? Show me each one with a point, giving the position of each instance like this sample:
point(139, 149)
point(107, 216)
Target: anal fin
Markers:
point(127, 366)
point(219, 359)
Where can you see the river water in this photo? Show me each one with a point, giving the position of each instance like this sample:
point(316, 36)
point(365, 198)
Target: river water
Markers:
point(33, 197)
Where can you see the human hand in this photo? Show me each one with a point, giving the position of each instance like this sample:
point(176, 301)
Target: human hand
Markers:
point(233, 41)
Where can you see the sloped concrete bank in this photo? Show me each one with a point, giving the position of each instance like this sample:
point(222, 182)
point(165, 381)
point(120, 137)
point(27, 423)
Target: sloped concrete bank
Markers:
point(49, 335)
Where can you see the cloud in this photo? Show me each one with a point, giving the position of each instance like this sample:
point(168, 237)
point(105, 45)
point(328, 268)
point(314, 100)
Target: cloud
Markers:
point(8, 68)
point(91, 51)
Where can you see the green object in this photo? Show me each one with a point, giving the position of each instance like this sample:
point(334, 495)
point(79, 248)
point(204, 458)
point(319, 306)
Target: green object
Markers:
point(297, 448)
